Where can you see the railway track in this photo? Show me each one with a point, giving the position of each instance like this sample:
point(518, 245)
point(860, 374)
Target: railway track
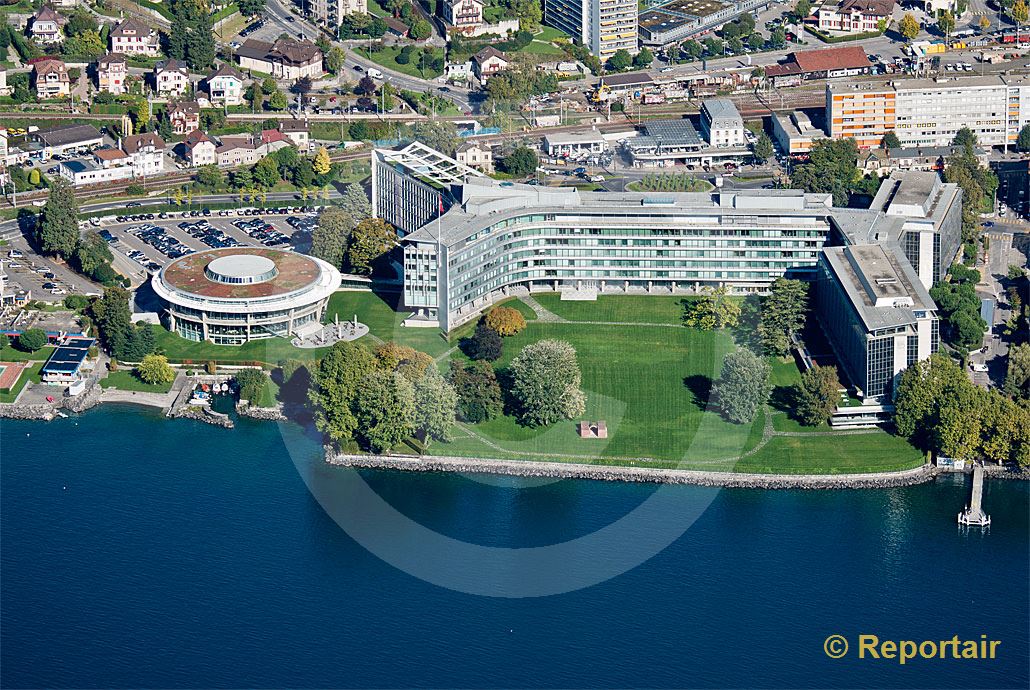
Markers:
point(167, 181)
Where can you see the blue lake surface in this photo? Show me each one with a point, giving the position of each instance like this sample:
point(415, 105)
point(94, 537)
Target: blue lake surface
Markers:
point(138, 551)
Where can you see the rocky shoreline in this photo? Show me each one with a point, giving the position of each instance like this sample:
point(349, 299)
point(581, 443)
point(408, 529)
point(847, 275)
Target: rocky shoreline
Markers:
point(560, 470)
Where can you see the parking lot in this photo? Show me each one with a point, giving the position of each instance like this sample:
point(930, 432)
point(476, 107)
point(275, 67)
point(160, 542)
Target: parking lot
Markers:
point(43, 278)
point(150, 241)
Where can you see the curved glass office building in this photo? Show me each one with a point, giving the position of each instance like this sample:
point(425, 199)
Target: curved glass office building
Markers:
point(231, 296)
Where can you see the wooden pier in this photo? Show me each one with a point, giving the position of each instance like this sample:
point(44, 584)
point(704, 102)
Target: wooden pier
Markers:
point(974, 514)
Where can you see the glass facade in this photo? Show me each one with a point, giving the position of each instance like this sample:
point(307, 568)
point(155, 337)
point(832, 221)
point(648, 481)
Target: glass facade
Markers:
point(744, 251)
point(879, 366)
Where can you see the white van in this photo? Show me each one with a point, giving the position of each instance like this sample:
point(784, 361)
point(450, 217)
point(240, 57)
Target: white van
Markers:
point(374, 73)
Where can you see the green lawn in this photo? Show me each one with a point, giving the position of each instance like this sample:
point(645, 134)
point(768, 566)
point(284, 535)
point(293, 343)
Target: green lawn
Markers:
point(549, 33)
point(268, 396)
point(33, 374)
point(128, 381)
point(387, 57)
point(543, 49)
point(873, 452)
point(9, 353)
point(648, 384)
point(377, 312)
point(269, 351)
point(521, 307)
point(617, 308)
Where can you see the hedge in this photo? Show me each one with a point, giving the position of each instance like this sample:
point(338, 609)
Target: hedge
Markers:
point(826, 38)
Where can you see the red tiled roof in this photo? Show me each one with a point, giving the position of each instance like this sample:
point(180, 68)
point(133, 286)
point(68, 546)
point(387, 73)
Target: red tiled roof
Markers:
point(269, 136)
point(848, 57)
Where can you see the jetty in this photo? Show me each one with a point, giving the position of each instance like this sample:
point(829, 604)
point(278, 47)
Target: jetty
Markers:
point(974, 513)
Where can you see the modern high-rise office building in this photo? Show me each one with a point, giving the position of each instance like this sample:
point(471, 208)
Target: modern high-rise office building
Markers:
point(603, 26)
point(928, 112)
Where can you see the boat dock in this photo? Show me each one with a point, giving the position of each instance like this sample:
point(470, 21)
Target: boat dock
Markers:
point(974, 514)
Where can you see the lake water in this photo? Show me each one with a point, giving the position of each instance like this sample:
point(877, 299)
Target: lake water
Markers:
point(138, 551)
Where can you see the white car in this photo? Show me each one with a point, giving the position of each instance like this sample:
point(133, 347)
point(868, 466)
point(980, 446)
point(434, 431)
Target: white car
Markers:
point(978, 366)
point(665, 69)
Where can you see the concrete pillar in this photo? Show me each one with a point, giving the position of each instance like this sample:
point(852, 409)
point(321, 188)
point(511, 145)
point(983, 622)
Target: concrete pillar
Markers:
point(649, 286)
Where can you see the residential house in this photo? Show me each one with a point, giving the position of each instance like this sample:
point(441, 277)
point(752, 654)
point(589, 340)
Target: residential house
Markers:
point(146, 152)
point(199, 149)
point(237, 150)
point(111, 158)
point(171, 78)
point(297, 132)
point(395, 27)
point(112, 70)
point(185, 117)
point(133, 37)
point(47, 26)
point(284, 59)
point(225, 86)
point(273, 140)
point(475, 155)
point(462, 15)
point(855, 16)
point(51, 78)
point(488, 62)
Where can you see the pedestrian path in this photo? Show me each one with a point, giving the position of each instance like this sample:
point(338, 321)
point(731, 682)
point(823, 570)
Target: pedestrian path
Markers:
point(542, 315)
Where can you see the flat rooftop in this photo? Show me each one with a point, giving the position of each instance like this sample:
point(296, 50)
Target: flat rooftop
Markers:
point(881, 285)
point(68, 134)
point(189, 273)
point(939, 84)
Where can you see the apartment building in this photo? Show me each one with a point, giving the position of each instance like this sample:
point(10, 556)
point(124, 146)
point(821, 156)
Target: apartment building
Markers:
point(51, 79)
point(112, 71)
point(604, 26)
point(171, 78)
point(462, 15)
point(146, 153)
point(132, 37)
point(330, 13)
point(855, 16)
point(284, 59)
point(721, 123)
point(928, 112)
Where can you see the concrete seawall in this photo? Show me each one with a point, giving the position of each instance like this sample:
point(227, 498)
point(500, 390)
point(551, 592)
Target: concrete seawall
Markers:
point(561, 470)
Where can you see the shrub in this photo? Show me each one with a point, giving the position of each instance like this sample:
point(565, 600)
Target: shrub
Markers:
point(154, 369)
point(505, 320)
point(251, 382)
point(76, 302)
point(32, 340)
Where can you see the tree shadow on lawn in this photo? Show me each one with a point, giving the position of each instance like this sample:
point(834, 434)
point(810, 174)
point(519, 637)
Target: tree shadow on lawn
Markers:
point(783, 399)
point(701, 387)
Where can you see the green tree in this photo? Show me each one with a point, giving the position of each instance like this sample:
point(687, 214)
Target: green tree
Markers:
point(802, 9)
point(330, 237)
point(79, 22)
point(485, 344)
point(355, 202)
point(713, 309)
point(1020, 13)
point(743, 387)
point(735, 44)
point(1017, 377)
point(479, 393)
point(371, 239)
point(200, 45)
point(86, 44)
point(31, 340)
point(1023, 140)
point(256, 96)
point(831, 168)
point(251, 382)
point(505, 320)
point(778, 38)
point(251, 8)
point(890, 141)
point(436, 404)
point(964, 137)
point(154, 369)
point(384, 407)
point(522, 161)
point(692, 49)
point(420, 29)
point(783, 314)
point(138, 342)
point(58, 229)
point(619, 61)
point(334, 59)
point(762, 149)
point(908, 27)
point(440, 135)
point(545, 383)
point(816, 395)
point(266, 172)
point(91, 253)
point(979, 185)
point(643, 59)
point(755, 41)
point(211, 177)
point(334, 385)
point(112, 317)
point(922, 390)
point(277, 101)
point(946, 23)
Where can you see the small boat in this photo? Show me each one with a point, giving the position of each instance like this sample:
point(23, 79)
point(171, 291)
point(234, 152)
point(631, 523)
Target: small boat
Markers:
point(62, 414)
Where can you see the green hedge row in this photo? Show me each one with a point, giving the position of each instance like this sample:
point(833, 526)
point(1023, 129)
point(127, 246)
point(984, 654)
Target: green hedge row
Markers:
point(826, 38)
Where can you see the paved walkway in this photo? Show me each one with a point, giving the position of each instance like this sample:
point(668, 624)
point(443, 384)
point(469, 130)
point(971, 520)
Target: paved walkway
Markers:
point(542, 315)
